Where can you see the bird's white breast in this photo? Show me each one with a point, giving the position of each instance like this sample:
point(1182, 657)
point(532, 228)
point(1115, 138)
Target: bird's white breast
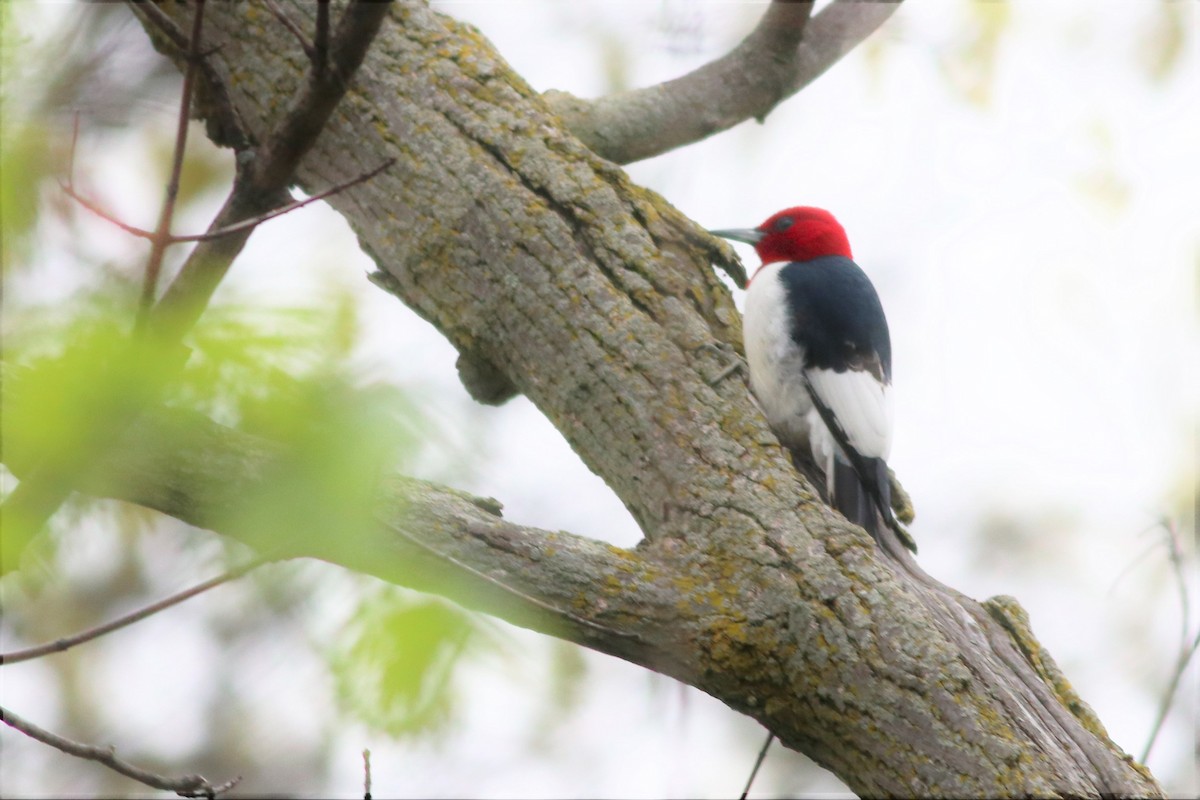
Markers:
point(776, 360)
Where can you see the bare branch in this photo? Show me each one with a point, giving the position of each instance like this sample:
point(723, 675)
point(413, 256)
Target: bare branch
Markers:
point(1187, 649)
point(253, 222)
point(244, 225)
point(295, 134)
point(782, 55)
point(762, 754)
point(162, 23)
point(184, 786)
point(66, 643)
point(69, 190)
point(292, 28)
point(162, 232)
point(1164, 708)
point(261, 186)
point(224, 123)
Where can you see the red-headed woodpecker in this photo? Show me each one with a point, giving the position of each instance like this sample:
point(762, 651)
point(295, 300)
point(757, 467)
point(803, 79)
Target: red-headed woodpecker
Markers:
point(821, 359)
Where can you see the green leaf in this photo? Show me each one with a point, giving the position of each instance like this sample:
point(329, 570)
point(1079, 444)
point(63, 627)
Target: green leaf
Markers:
point(396, 667)
point(74, 379)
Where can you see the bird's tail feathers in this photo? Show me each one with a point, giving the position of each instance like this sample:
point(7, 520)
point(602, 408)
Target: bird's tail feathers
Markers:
point(849, 495)
point(862, 492)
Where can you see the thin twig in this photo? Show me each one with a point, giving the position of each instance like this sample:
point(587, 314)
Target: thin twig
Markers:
point(1169, 696)
point(366, 774)
point(1176, 557)
point(184, 786)
point(225, 125)
point(162, 232)
point(1186, 650)
point(292, 28)
point(294, 136)
point(69, 190)
point(74, 144)
point(159, 19)
point(228, 230)
point(1145, 553)
point(261, 218)
point(68, 642)
point(757, 763)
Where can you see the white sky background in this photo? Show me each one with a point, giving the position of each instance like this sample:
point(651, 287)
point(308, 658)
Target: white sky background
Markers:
point(1045, 345)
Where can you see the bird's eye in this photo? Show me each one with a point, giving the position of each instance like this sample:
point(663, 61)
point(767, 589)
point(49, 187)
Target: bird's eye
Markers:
point(782, 224)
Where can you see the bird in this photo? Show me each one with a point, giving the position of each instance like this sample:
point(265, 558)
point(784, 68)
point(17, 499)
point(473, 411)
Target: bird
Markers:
point(820, 361)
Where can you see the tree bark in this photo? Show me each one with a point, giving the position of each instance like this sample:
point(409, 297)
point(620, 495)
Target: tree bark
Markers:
point(555, 276)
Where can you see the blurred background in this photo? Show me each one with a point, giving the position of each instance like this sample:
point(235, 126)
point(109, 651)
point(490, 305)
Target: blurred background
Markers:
point(1018, 178)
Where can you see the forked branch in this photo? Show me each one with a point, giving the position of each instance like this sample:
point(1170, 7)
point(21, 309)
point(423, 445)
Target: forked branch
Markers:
point(782, 55)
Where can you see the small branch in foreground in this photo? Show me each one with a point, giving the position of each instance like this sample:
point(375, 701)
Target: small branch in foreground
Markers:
point(228, 230)
point(292, 27)
point(225, 126)
point(762, 754)
point(298, 130)
point(1186, 650)
point(184, 786)
point(1164, 708)
point(262, 187)
point(67, 642)
point(162, 232)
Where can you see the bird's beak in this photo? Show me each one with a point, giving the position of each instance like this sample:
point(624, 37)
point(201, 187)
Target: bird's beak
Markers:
point(747, 235)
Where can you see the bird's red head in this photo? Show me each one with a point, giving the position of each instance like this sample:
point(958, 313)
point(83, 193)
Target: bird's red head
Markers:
point(801, 233)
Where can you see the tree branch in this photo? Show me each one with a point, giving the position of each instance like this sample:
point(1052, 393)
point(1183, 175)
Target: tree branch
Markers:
point(162, 232)
point(184, 786)
point(429, 537)
point(782, 55)
point(262, 180)
point(67, 642)
point(238, 227)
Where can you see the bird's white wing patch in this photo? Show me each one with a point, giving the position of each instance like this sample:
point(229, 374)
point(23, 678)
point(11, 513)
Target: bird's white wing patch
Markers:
point(862, 406)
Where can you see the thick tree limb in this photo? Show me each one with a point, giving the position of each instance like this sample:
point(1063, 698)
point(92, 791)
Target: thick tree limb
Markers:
point(597, 300)
point(782, 55)
point(429, 538)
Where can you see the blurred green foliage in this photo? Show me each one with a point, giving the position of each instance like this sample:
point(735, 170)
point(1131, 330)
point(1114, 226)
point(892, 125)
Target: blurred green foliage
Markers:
point(395, 666)
point(25, 153)
point(74, 377)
